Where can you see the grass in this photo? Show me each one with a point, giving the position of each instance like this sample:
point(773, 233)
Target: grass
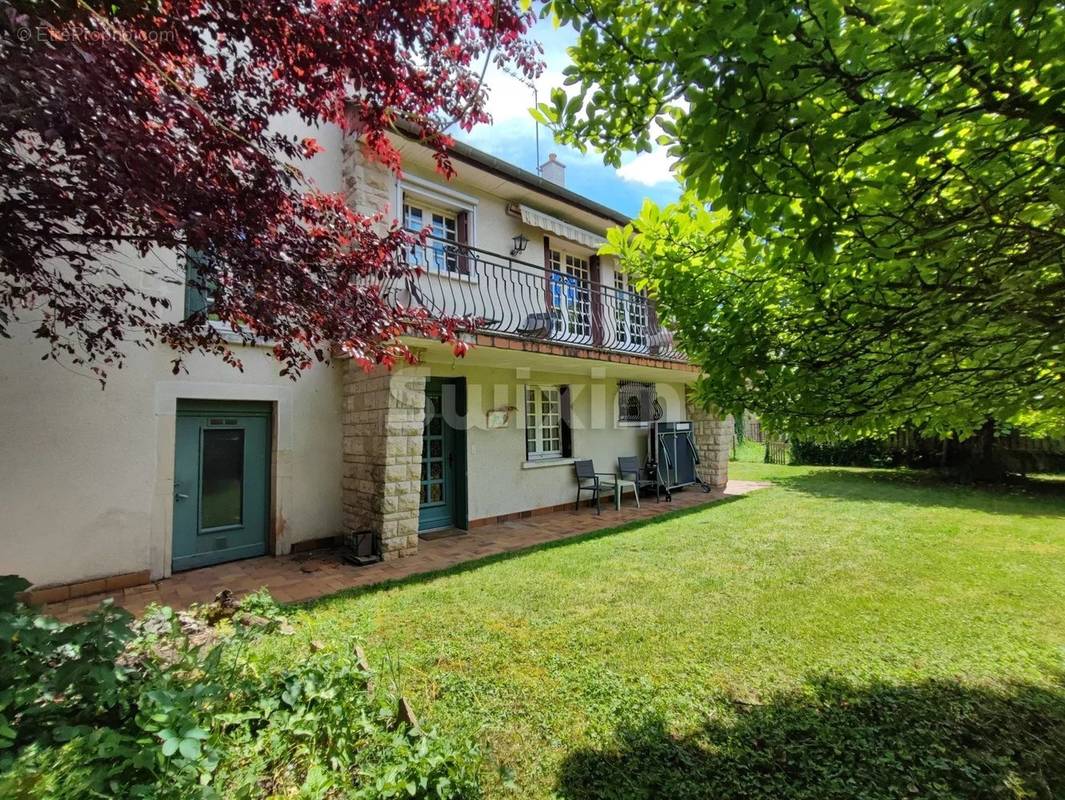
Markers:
point(753, 452)
point(846, 633)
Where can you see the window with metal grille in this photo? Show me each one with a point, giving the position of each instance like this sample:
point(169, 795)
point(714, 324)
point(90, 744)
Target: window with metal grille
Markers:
point(638, 402)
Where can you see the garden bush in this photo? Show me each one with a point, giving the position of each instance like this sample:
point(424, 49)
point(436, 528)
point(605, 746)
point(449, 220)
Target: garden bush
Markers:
point(860, 453)
point(172, 706)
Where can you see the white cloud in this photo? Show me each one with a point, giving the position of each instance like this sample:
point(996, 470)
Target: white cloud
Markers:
point(649, 169)
point(510, 99)
point(512, 132)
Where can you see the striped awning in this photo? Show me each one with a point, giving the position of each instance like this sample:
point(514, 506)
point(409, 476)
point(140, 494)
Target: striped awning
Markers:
point(538, 219)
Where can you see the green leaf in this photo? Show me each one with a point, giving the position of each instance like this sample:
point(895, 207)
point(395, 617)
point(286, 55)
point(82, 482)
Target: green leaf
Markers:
point(10, 585)
point(190, 748)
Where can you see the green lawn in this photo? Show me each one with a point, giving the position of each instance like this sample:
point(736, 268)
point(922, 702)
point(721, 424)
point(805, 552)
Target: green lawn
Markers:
point(845, 634)
point(748, 451)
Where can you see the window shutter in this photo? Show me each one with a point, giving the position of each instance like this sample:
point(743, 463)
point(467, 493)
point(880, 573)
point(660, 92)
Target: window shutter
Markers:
point(566, 413)
point(652, 316)
point(463, 234)
point(595, 275)
point(195, 291)
point(547, 273)
point(651, 410)
point(525, 392)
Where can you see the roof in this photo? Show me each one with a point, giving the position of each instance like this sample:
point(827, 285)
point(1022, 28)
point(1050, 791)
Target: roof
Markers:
point(460, 151)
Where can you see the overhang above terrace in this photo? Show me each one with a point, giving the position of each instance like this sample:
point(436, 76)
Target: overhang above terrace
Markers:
point(544, 357)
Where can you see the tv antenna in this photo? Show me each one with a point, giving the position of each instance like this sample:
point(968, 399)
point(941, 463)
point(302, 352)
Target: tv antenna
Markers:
point(536, 102)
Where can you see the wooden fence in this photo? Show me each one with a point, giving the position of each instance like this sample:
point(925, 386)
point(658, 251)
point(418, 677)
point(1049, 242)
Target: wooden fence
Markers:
point(752, 429)
point(776, 452)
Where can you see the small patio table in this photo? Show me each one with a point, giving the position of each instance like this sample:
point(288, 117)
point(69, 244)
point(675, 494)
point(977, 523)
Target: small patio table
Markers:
point(619, 486)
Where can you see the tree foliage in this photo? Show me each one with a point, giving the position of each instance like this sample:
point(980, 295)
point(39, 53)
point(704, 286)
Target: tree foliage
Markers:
point(177, 706)
point(128, 129)
point(872, 232)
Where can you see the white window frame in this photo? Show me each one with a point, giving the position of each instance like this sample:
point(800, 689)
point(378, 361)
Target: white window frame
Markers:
point(443, 197)
point(537, 436)
point(433, 198)
point(433, 256)
point(632, 319)
point(568, 320)
point(224, 329)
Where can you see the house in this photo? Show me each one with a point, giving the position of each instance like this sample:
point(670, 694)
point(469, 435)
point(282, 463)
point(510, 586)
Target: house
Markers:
point(160, 472)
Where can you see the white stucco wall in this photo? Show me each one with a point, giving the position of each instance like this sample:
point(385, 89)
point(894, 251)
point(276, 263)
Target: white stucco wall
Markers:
point(495, 289)
point(86, 475)
point(498, 287)
point(500, 479)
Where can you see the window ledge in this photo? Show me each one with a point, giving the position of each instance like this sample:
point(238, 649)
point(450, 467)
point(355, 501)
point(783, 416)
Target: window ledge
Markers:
point(622, 423)
point(230, 336)
point(458, 277)
point(541, 463)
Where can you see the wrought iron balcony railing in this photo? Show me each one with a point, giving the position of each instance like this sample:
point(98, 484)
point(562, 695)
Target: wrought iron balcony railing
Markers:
point(517, 298)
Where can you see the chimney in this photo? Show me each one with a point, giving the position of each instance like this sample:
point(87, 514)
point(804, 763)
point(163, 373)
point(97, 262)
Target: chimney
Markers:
point(553, 170)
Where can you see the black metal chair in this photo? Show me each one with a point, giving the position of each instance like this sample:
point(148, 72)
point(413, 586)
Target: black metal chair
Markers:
point(630, 470)
point(588, 480)
point(540, 325)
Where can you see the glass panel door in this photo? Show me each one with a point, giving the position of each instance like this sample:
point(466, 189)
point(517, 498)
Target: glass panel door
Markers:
point(630, 315)
point(438, 498)
point(571, 297)
point(433, 464)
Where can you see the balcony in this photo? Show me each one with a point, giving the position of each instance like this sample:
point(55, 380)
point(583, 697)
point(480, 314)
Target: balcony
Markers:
point(514, 298)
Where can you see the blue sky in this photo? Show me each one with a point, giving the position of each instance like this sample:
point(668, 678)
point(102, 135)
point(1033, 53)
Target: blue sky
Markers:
point(512, 137)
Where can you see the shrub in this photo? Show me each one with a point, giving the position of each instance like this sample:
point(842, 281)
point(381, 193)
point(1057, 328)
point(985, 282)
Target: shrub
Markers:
point(860, 453)
point(172, 707)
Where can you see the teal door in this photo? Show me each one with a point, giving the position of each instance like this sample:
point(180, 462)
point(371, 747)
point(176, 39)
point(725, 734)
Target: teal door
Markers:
point(221, 482)
point(443, 485)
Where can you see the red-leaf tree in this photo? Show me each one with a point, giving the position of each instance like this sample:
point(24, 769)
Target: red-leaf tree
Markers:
point(148, 125)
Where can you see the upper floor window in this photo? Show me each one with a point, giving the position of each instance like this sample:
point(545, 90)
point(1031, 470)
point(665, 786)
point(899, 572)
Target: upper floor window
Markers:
point(439, 254)
point(199, 288)
point(447, 216)
point(630, 312)
point(570, 294)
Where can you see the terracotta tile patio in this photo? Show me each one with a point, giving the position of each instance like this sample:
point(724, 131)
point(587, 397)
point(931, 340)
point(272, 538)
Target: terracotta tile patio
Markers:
point(309, 575)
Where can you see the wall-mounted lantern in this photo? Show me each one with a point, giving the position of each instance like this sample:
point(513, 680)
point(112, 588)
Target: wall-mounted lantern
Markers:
point(520, 243)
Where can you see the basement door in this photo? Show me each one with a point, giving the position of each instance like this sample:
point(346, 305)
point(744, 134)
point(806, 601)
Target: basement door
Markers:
point(221, 482)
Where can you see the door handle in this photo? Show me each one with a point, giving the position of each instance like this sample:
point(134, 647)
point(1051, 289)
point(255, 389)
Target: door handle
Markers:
point(180, 496)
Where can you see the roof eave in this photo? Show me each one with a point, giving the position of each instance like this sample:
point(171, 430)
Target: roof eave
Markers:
point(503, 169)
